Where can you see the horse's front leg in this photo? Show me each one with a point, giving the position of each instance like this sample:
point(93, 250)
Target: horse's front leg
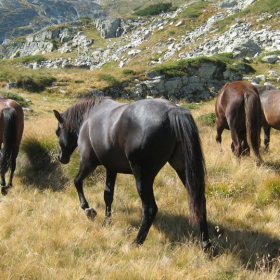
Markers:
point(109, 194)
point(4, 188)
point(84, 171)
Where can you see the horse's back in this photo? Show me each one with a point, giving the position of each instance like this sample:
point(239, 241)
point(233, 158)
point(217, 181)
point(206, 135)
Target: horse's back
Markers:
point(149, 127)
point(270, 100)
point(146, 125)
point(9, 103)
point(139, 131)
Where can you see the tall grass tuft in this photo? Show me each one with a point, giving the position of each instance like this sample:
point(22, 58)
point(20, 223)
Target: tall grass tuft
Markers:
point(38, 156)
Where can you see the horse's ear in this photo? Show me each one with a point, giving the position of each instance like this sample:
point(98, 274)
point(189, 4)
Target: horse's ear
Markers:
point(58, 116)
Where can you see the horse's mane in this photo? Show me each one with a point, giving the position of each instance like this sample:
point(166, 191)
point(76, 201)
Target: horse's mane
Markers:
point(78, 112)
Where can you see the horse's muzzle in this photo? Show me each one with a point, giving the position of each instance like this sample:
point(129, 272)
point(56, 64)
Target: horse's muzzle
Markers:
point(63, 160)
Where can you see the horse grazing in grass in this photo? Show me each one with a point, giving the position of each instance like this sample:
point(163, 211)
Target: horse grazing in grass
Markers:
point(270, 101)
point(11, 129)
point(139, 139)
point(238, 108)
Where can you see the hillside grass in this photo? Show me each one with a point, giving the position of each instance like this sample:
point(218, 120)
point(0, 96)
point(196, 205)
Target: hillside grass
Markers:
point(45, 235)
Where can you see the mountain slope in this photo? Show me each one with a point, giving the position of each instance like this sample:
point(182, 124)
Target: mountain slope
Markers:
point(21, 17)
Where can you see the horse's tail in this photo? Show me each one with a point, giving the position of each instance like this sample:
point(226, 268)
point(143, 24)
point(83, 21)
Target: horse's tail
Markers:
point(9, 138)
point(253, 112)
point(187, 135)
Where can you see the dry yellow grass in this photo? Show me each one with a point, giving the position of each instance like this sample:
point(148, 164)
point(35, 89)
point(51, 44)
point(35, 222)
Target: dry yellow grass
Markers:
point(45, 235)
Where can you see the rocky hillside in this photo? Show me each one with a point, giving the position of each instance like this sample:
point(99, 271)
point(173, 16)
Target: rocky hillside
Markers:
point(21, 17)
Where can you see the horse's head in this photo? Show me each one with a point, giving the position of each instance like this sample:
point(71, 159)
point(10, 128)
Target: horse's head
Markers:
point(67, 139)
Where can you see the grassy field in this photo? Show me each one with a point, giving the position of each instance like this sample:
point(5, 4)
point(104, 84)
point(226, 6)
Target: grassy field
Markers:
point(45, 235)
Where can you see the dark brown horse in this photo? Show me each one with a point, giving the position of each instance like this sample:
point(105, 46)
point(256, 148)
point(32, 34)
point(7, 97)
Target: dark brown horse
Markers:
point(137, 138)
point(270, 101)
point(238, 109)
point(11, 129)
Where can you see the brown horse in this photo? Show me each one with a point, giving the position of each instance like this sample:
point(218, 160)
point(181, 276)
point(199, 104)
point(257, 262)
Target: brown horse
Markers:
point(270, 101)
point(238, 108)
point(11, 129)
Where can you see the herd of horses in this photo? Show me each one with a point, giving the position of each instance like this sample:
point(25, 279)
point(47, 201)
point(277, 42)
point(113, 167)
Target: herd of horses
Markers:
point(141, 137)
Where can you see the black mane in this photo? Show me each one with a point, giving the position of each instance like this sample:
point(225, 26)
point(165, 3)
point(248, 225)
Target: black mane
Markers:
point(74, 116)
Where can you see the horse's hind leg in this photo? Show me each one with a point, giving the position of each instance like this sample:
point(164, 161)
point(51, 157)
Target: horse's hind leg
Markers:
point(236, 145)
point(266, 140)
point(109, 194)
point(220, 130)
point(144, 184)
point(4, 188)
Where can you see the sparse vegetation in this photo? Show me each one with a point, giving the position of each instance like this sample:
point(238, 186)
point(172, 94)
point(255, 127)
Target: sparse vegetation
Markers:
point(154, 9)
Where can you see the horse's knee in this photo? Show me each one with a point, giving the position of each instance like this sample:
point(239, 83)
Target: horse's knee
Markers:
point(150, 212)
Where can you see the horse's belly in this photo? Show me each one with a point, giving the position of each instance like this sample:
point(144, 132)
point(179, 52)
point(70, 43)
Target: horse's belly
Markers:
point(116, 162)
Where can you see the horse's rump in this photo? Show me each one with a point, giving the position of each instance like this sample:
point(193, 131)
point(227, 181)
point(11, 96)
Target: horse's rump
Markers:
point(238, 108)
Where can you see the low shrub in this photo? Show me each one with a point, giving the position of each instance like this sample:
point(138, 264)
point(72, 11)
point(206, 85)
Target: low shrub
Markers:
point(12, 95)
point(207, 119)
point(155, 9)
point(111, 80)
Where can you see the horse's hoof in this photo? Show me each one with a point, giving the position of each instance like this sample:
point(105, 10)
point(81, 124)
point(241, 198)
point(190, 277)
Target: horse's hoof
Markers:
point(136, 244)
point(206, 245)
point(4, 190)
point(90, 213)
point(107, 221)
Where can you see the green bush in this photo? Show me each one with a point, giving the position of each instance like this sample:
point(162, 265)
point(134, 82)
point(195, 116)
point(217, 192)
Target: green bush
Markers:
point(111, 80)
point(35, 83)
point(207, 119)
point(128, 72)
point(11, 95)
point(172, 69)
point(155, 9)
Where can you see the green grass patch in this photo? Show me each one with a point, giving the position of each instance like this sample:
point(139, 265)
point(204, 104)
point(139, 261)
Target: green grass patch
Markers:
point(12, 95)
point(270, 192)
point(111, 80)
point(154, 9)
point(208, 119)
point(172, 69)
point(35, 83)
point(29, 59)
point(128, 72)
point(192, 105)
point(194, 10)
